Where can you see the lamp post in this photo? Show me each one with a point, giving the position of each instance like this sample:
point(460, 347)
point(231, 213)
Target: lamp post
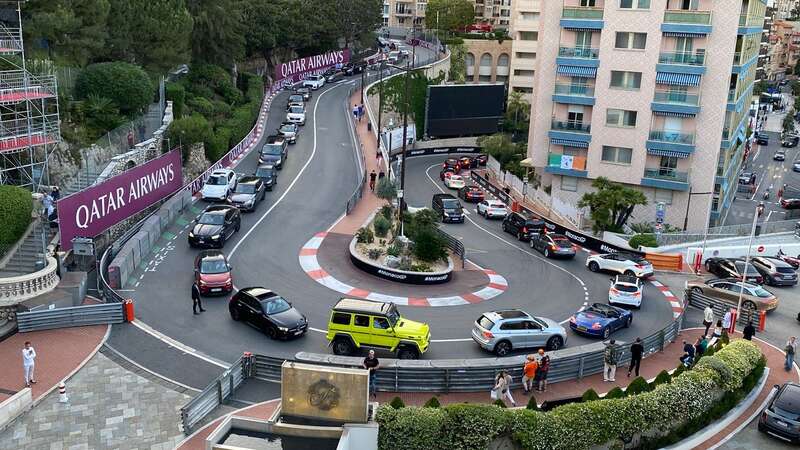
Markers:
point(688, 203)
point(759, 211)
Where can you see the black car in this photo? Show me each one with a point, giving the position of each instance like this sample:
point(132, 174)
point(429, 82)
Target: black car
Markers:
point(248, 193)
point(451, 163)
point(781, 417)
point(733, 268)
point(790, 141)
point(747, 178)
point(332, 75)
point(796, 166)
point(304, 91)
point(448, 207)
point(268, 175)
point(482, 159)
point(295, 98)
point(215, 225)
point(274, 152)
point(790, 203)
point(267, 311)
point(762, 138)
point(354, 68)
point(522, 227)
point(553, 245)
point(775, 271)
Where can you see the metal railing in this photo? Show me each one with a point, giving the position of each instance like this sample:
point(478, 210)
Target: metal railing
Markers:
point(676, 98)
point(582, 12)
point(578, 52)
point(215, 394)
point(672, 136)
point(455, 246)
point(362, 177)
point(75, 316)
point(574, 89)
point(665, 173)
point(577, 127)
point(698, 300)
point(683, 58)
point(687, 17)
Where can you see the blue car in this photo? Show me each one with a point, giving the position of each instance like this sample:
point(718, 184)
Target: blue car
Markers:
point(600, 320)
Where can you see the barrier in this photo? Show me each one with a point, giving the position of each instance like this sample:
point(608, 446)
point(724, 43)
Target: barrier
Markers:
point(663, 261)
point(455, 246)
point(215, 394)
point(75, 316)
point(699, 300)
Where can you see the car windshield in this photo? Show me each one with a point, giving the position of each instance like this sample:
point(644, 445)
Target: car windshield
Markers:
point(751, 270)
point(211, 219)
point(789, 401)
point(485, 322)
point(275, 305)
point(626, 287)
point(217, 180)
point(393, 316)
point(265, 173)
point(212, 266)
point(456, 178)
point(245, 189)
point(598, 311)
point(496, 205)
point(287, 128)
point(296, 109)
point(296, 98)
point(760, 292)
point(785, 269)
point(272, 149)
point(450, 203)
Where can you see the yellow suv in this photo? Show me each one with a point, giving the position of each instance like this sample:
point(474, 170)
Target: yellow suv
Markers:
point(363, 323)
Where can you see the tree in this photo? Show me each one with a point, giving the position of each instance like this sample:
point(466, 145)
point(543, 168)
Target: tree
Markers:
point(386, 190)
point(73, 31)
point(350, 18)
point(189, 130)
point(611, 204)
point(218, 33)
point(127, 85)
point(505, 151)
point(797, 67)
point(788, 122)
point(518, 113)
point(795, 85)
point(458, 63)
point(449, 15)
point(760, 86)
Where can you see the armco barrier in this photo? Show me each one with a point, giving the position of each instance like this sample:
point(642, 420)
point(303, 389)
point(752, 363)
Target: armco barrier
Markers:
point(215, 394)
point(455, 246)
point(663, 261)
point(75, 316)
point(700, 301)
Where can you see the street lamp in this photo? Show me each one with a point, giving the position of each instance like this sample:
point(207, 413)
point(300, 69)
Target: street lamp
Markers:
point(759, 211)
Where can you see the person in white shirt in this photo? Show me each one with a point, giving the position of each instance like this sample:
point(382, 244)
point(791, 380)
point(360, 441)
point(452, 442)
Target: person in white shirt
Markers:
point(708, 317)
point(28, 363)
point(726, 320)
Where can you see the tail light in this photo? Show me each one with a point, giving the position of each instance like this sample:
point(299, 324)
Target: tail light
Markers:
point(488, 335)
point(614, 291)
point(574, 248)
point(525, 230)
point(553, 248)
point(639, 266)
point(759, 280)
point(636, 294)
point(596, 326)
point(764, 416)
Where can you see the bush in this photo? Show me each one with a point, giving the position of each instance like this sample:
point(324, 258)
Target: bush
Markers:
point(433, 402)
point(201, 105)
point(364, 236)
point(590, 395)
point(189, 130)
point(663, 377)
point(397, 403)
point(647, 240)
point(638, 386)
point(387, 211)
point(617, 392)
point(385, 189)
point(724, 339)
point(16, 206)
point(532, 405)
point(428, 246)
point(125, 84)
point(679, 370)
point(410, 428)
point(421, 267)
point(374, 253)
point(393, 250)
point(500, 403)
point(218, 145)
point(381, 225)
point(177, 95)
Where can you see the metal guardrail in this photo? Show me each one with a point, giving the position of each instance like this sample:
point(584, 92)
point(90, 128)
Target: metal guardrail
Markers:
point(215, 394)
point(700, 301)
point(362, 177)
point(455, 246)
point(75, 316)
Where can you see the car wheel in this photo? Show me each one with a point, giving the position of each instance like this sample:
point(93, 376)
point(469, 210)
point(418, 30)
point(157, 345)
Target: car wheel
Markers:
point(628, 322)
point(593, 266)
point(342, 347)
point(629, 273)
point(238, 226)
point(531, 243)
point(555, 343)
point(235, 315)
point(271, 331)
point(546, 252)
point(519, 235)
point(606, 333)
point(505, 227)
point(502, 348)
point(407, 353)
point(708, 266)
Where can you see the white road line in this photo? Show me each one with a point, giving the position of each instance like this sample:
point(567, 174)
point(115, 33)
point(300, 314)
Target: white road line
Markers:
point(172, 342)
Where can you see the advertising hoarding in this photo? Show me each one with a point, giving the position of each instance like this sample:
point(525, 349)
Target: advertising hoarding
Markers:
point(296, 70)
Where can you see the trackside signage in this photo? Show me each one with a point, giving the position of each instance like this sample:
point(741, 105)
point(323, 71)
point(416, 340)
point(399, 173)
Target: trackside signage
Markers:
point(294, 71)
point(90, 212)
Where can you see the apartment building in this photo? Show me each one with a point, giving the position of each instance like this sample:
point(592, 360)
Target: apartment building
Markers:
point(524, 32)
point(783, 50)
point(783, 8)
point(404, 13)
point(650, 93)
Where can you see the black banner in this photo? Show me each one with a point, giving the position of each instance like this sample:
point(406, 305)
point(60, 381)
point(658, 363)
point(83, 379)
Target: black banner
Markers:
point(400, 276)
point(436, 151)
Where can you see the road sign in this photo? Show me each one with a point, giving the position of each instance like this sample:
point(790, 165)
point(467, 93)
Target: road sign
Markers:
point(760, 249)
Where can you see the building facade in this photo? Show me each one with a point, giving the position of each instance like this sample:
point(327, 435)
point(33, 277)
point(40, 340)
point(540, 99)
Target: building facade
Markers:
point(783, 49)
point(650, 93)
point(404, 13)
point(524, 32)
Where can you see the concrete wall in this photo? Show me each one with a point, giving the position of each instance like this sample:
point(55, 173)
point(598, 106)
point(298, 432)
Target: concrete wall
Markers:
point(15, 405)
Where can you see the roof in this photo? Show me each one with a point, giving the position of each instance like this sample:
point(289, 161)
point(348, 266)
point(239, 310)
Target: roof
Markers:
point(211, 254)
point(258, 292)
point(512, 314)
point(365, 306)
point(217, 208)
point(444, 196)
point(221, 172)
point(249, 179)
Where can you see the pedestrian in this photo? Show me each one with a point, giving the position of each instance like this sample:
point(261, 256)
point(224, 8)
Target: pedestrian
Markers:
point(636, 356)
point(381, 175)
point(196, 302)
point(610, 358)
point(55, 193)
point(372, 364)
point(688, 354)
point(698, 347)
point(28, 363)
point(47, 203)
point(372, 177)
point(790, 349)
point(749, 331)
point(541, 373)
point(708, 317)
point(718, 330)
point(726, 320)
point(142, 131)
point(703, 344)
point(360, 111)
point(502, 387)
point(355, 112)
point(529, 373)
point(130, 139)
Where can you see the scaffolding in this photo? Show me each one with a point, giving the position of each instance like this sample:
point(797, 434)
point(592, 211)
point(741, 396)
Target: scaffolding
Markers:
point(29, 120)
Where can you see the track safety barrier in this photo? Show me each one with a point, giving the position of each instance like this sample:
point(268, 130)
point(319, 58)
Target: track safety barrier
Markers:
point(74, 316)
point(720, 307)
point(455, 246)
point(216, 393)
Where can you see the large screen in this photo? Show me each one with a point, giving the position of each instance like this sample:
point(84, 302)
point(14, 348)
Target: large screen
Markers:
point(464, 109)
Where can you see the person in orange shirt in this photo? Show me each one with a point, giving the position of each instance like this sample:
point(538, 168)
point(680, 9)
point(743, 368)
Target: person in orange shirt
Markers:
point(529, 373)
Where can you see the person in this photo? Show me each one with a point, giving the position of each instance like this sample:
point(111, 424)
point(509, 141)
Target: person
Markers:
point(196, 303)
point(541, 373)
point(47, 203)
point(381, 175)
point(688, 354)
point(708, 317)
point(718, 329)
point(703, 344)
point(28, 363)
point(372, 177)
point(56, 193)
point(636, 356)
point(698, 347)
point(790, 349)
point(130, 138)
point(355, 112)
point(610, 357)
point(726, 320)
point(749, 331)
point(502, 387)
point(372, 364)
point(529, 373)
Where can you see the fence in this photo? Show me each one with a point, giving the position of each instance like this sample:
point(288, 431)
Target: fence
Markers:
point(454, 245)
point(75, 316)
point(721, 232)
point(698, 300)
point(362, 163)
point(215, 394)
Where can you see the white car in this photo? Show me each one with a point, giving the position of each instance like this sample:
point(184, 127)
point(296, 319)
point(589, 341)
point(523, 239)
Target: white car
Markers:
point(492, 208)
point(296, 114)
point(219, 184)
point(625, 290)
point(454, 181)
point(314, 82)
point(624, 263)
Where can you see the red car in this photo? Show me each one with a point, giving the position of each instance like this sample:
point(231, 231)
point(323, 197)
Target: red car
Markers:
point(790, 203)
point(472, 194)
point(446, 172)
point(451, 163)
point(212, 273)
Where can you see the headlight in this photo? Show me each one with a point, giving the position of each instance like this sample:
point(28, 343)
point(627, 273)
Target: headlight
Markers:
point(216, 236)
point(284, 329)
point(250, 202)
point(191, 235)
point(203, 283)
point(278, 161)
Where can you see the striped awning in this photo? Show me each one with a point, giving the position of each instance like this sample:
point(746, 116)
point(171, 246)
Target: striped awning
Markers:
point(568, 143)
point(578, 71)
point(678, 79)
point(659, 152)
point(672, 114)
point(682, 34)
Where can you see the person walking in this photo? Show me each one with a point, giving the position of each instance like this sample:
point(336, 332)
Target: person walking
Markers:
point(381, 175)
point(688, 354)
point(196, 302)
point(726, 320)
point(372, 364)
point(610, 358)
point(708, 317)
point(372, 177)
point(749, 331)
point(28, 363)
point(502, 387)
point(636, 356)
point(790, 349)
point(541, 373)
point(529, 373)
point(355, 112)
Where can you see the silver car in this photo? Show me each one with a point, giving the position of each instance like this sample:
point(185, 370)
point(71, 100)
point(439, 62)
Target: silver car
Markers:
point(503, 331)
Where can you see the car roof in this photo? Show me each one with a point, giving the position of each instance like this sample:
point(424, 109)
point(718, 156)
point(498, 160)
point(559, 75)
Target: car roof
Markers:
point(444, 196)
point(774, 260)
point(492, 201)
point(211, 254)
point(288, 123)
point(266, 166)
point(217, 209)
point(362, 306)
point(249, 180)
point(274, 138)
point(258, 292)
point(511, 314)
point(627, 279)
point(789, 396)
point(221, 172)
point(735, 281)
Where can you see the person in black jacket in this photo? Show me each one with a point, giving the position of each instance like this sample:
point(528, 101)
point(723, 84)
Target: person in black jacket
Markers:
point(196, 299)
point(636, 356)
point(749, 331)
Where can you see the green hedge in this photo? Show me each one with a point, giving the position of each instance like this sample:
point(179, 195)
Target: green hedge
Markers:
point(127, 85)
point(16, 206)
point(647, 240)
point(689, 396)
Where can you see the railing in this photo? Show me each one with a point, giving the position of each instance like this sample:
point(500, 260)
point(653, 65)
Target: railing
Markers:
point(14, 290)
point(746, 20)
point(683, 58)
point(75, 316)
point(574, 89)
point(676, 98)
point(454, 245)
point(579, 52)
point(578, 127)
point(215, 394)
point(687, 17)
point(362, 176)
point(672, 136)
point(14, 80)
point(668, 174)
point(582, 12)
point(699, 300)
point(740, 58)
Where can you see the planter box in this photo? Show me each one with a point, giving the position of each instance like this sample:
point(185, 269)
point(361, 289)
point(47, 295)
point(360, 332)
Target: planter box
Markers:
point(401, 276)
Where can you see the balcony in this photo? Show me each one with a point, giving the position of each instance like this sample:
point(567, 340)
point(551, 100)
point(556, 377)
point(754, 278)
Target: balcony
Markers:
point(573, 127)
point(578, 56)
point(741, 58)
point(750, 21)
point(683, 58)
point(684, 21)
point(573, 94)
point(676, 102)
point(582, 17)
point(666, 178)
point(672, 137)
point(674, 142)
point(573, 166)
point(574, 134)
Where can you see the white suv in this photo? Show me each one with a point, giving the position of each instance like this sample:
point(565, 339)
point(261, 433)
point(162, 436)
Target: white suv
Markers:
point(296, 114)
point(625, 290)
point(219, 184)
point(624, 263)
point(314, 82)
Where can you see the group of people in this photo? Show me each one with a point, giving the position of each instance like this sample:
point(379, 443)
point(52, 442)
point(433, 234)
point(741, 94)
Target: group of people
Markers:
point(49, 203)
point(612, 355)
point(359, 112)
point(534, 376)
point(692, 351)
point(373, 176)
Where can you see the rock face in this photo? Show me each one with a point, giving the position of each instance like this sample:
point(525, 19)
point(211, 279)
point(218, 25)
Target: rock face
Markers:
point(392, 262)
point(196, 163)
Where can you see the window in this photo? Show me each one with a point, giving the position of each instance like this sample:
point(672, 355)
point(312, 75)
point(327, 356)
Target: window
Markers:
point(361, 321)
point(631, 40)
point(626, 80)
point(529, 15)
point(620, 118)
point(529, 35)
point(523, 90)
point(526, 55)
point(523, 73)
point(511, 326)
point(341, 318)
point(617, 155)
point(380, 323)
point(569, 184)
point(634, 4)
point(663, 196)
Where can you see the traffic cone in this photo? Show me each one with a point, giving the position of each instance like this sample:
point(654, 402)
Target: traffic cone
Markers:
point(62, 393)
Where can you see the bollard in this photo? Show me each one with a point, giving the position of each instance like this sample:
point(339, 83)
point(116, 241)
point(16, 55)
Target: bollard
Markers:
point(762, 320)
point(128, 306)
point(62, 393)
point(734, 318)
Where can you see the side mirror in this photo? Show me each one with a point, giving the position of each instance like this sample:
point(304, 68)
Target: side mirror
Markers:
point(230, 267)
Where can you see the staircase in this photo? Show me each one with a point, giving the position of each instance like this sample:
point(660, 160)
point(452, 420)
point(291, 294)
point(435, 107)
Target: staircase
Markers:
point(24, 260)
point(80, 181)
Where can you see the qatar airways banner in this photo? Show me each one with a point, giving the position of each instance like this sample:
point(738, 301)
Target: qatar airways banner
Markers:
point(292, 72)
point(93, 210)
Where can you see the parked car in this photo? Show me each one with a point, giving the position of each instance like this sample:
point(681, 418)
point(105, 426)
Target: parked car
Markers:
point(761, 138)
point(289, 131)
point(790, 203)
point(218, 185)
point(754, 297)
point(333, 75)
point(352, 68)
point(553, 245)
point(625, 290)
point(212, 273)
point(356, 324)
point(501, 332)
point(793, 261)
point(780, 155)
point(790, 141)
point(274, 152)
point(448, 207)
point(747, 178)
point(781, 417)
point(796, 166)
point(314, 82)
point(492, 208)
point(472, 194)
point(454, 181)
point(620, 262)
point(600, 320)
point(267, 311)
point(214, 226)
point(304, 91)
point(249, 192)
point(295, 99)
point(268, 175)
point(467, 162)
point(733, 268)
point(296, 114)
point(482, 159)
point(775, 271)
point(521, 226)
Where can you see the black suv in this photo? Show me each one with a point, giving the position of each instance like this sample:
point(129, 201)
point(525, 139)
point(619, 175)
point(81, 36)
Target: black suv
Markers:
point(775, 271)
point(762, 138)
point(267, 311)
point(448, 207)
point(354, 68)
point(733, 268)
point(214, 226)
point(522, 227)
point(268, 175)
point(304, 91)
point(274, 152)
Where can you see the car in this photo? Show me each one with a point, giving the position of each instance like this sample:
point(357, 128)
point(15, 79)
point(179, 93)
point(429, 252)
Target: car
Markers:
point(446, 172)
point(522, 226)
point(790, 203)
point(781, 417)
point(796, 166)
point(212, 273)
point(304, 91)
point(620, 262)
point(274, 152)
point(314, 82)
point(467, 162)
point(296, 114)
point(289, 131)
point(732, 268)
point(267, 311)
point(779, 155)
point(356, 324)
point(352, 68)
point(761, 138)
point(553, 245)
point(218, 185)
point(453, 164)
point(600, 320)
point(790, 141)
point(747, 178)
point(500, 332)
point(727, 290)
point(625, 290)
point(793, 261)
point(492, 208)
point(448, 207)
point(214, 226)
point(268, 175)
point(775, 271)
point(333, 75)
point(249, 192)
point(454, 181)
point(295, 99)
point(472, 194)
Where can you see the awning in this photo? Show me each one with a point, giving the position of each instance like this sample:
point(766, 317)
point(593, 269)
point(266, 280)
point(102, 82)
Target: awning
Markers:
point(567, 26)
point(678, 79)
point(527, 162)
point(672, 114)
point(578, 71)
point(568, 143)
point(659, 152)
point(681, 34)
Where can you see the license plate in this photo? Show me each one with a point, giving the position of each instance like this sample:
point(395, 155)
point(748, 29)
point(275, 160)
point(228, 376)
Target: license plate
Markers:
point(216, 290)
point(581, 328)
point(202, 241)
point(298, 332)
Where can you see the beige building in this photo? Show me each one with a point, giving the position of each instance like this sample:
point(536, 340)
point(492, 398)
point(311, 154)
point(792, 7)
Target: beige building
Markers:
point(487, 61)
point(783, 50)
point(404, 13)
